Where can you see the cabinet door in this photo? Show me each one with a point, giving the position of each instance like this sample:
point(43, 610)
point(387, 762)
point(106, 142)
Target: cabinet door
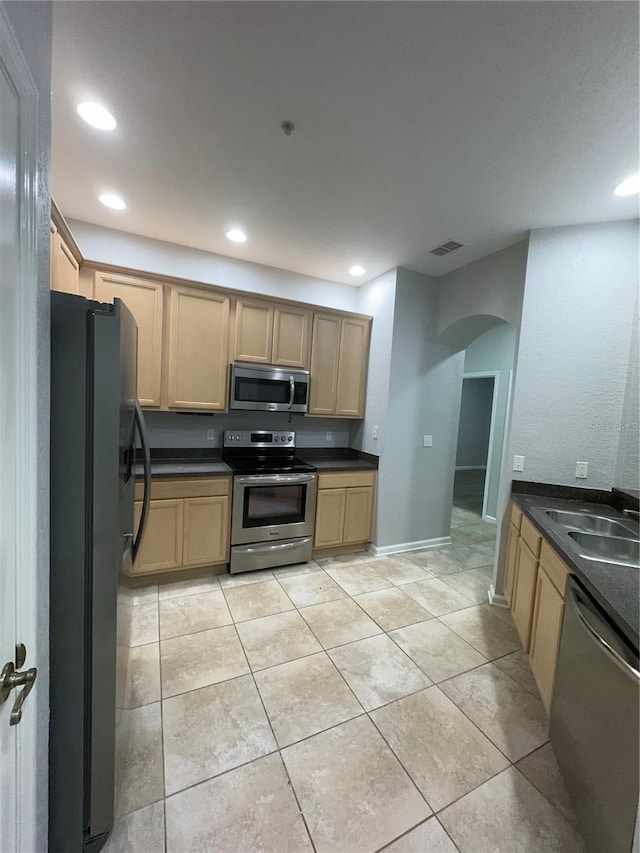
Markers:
point(198, 345)
point(330, 517)
point(357, 515)
point(524, 592)
point(254, 331)
point(144, 300)
point(510, 565)
point(325, 344)
point(162, 544)
point(290, 336)
point(352, 367)
point(206, 531)
point(545, 635)
point(65, 269)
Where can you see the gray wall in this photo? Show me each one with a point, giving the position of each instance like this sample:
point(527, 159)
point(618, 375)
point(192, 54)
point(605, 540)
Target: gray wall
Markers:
point(627, 474)
point(476, 403)
point(494, 351)
point(31, 23)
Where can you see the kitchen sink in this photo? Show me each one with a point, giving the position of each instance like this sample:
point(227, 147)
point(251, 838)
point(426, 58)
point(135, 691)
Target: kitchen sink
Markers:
point(589, 523)
point(622, 551)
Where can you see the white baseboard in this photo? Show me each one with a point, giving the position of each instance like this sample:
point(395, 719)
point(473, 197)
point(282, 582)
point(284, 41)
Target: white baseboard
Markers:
point(489, 518)
point(494, 598)
point(402, 547)
point(471, 467)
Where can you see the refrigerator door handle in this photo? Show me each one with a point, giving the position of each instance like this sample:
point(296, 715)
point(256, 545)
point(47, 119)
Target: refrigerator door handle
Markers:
point(146, 463)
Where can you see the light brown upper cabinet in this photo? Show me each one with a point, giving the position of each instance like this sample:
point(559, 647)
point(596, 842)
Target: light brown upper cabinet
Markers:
point(144, 299)
point(65, 268)
point(198, 332)
point(339, 360)
point(271, 333)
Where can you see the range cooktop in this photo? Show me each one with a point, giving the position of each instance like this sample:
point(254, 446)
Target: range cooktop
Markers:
point(262, 452)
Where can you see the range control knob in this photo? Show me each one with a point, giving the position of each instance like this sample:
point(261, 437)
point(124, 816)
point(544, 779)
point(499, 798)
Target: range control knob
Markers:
point(290, 438)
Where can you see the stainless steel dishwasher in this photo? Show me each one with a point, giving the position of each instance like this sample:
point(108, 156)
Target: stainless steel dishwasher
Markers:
point(595, 722)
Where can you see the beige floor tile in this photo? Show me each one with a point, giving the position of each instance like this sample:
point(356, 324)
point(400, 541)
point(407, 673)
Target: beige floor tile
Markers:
point(190, 613)
point(336, 560)
point(508, 714)
point(305, 696)
point(541, 769)
point(338, 622)
point(252, 808)
point(277, 639)
point(516, 664)
point(437, 561)
point(358, 578)
point(138, 760)
point(508, 814)
point(392, 608)
point(484, 631)
point(473, 584)
point(255, 600)
point(437, 650)
point(314, 588)
point(378, 671)
point(399, 569)
point(245, 578)
point(485, 570)
point(212, 730)
point(437, 597)
point(429, 837)
point(197, 660)
point(442, 750)
point(354, 794)
point(138, 595)
point(140, 675)
point(296, 570)
point(141, 831)
point(191, 586)
point(138, 624)
point(499, 611)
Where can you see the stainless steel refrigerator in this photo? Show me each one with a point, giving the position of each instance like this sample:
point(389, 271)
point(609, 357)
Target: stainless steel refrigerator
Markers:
point(95, 417)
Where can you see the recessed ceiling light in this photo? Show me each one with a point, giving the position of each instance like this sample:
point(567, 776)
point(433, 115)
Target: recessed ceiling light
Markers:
point(96, 116)
point(112, 201)
point(629, 186)
point(236, 235)
point(356, 269)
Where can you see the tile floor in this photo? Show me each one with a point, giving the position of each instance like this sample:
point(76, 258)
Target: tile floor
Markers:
point(351, 704)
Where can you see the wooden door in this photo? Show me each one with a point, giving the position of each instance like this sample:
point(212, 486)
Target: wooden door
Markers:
point(198, 345)
point(511, 563)
point(253, 331)
point(162, 545)
point(206, 531)
point(325, 345)
point(65, 269)
point(357, 515)
point(330, 509)
point(545, 635)
point(524, 592)
point(352, 367)
point(144, 299)
point(291, 336)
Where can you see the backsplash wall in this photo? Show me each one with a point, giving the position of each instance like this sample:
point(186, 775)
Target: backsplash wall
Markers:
point(169, 429)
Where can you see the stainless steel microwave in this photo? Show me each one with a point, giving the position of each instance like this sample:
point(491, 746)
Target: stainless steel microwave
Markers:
point(268, 388)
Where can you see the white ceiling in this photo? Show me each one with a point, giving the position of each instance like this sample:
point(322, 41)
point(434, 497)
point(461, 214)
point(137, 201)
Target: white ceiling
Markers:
point(417, 123)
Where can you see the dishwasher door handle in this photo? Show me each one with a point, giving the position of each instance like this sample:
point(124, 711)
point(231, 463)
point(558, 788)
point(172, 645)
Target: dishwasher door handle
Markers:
point(619, 661)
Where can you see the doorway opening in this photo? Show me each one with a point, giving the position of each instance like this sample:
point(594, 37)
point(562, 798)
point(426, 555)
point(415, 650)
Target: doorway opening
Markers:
point(475, 442)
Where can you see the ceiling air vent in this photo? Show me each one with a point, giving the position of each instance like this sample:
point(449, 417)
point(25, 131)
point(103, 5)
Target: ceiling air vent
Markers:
point(445, 248)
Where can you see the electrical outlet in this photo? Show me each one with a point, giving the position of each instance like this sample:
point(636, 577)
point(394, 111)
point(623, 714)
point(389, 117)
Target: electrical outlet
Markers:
point(581, 470)
point(374, 432)
point(518, 463)
point(427, 441)
point(211, 435)
point(328, 435)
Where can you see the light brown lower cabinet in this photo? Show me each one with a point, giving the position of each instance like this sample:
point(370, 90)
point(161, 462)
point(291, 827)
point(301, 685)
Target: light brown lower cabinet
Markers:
point(524, 592)
point(344, 509)
point(512, 562)
point(188, 525)
point(545, 637)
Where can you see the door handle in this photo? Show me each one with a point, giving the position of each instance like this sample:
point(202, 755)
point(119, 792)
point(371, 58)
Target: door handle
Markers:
point(11, 678)
point(292, 391)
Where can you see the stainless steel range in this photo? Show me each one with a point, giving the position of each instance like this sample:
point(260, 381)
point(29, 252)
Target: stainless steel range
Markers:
point(274, 500)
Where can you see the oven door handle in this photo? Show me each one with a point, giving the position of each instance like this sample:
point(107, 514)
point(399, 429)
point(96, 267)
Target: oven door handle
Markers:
point(270, 547)
point(292, 391)
point(273, 479)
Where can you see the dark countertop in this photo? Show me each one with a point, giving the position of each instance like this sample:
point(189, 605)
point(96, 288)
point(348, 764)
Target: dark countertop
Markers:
point(326, 459)
point(185, 468)
point(615, 588)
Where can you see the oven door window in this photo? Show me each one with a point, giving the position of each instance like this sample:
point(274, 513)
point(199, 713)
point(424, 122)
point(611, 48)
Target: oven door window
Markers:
point(265, 506)
point(251, 390)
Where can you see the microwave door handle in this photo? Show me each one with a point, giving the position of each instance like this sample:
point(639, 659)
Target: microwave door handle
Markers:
point(146, 463)
point(292, 391)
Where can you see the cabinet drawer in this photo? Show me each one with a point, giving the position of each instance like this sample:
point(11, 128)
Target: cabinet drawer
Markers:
point(555, 567)
point(346, 479)
point(530, 534)
point(516, 516)
point(191, 488)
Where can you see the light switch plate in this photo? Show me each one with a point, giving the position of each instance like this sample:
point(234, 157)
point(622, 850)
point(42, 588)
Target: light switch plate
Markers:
point(328, 435)
point(427, 441)
point(518, 463)
point(374, 432)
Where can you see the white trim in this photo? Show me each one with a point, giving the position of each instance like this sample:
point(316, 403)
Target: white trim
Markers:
point(494, 598)
point(495, 375)
point(471, 467)
point(403, 547)
point(31, 811)
point(490, 518)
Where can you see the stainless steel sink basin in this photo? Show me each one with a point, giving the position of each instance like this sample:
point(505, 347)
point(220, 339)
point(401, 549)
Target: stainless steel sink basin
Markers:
point(607, 549)
point(590, 523)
